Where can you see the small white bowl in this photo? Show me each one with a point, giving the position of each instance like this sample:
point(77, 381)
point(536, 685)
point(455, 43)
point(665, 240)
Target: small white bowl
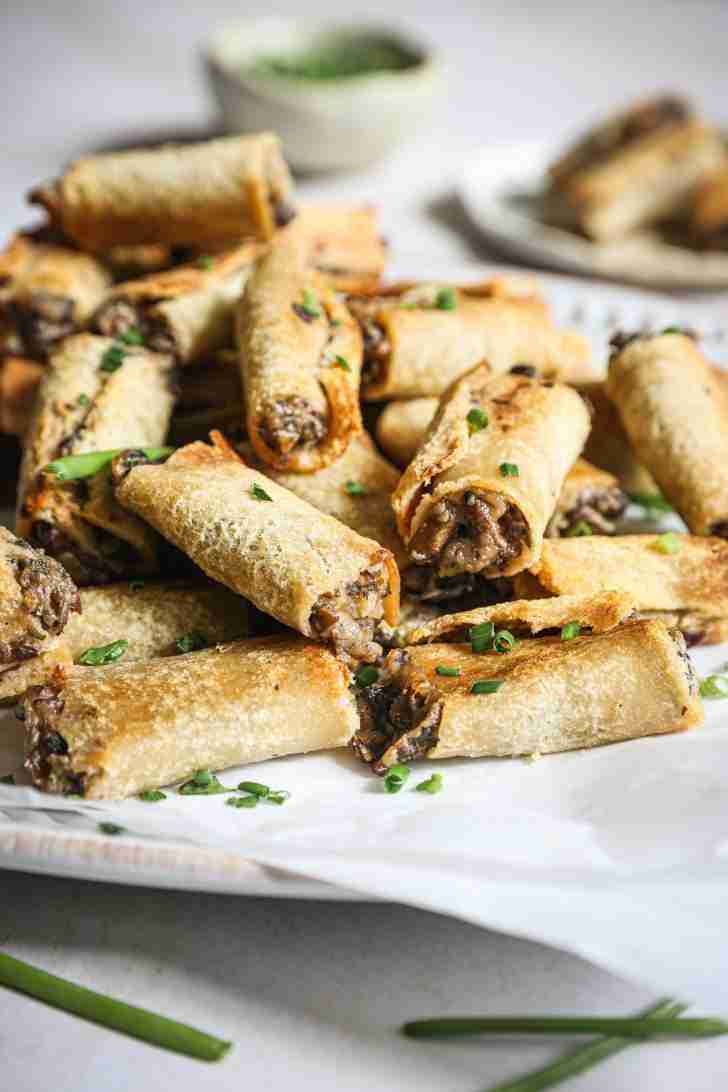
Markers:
point(335, 124)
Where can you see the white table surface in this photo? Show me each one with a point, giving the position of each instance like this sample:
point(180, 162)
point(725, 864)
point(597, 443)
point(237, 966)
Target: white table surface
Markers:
point(312, 992)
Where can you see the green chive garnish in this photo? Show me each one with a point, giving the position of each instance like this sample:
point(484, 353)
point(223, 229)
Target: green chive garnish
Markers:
point(311, 306)
point(340, 362)
point(103, 1010)
point(137, 585)
point(255, 788)
point(258, 493)
point(203, 783)
point(191, 642)
point(103, 654)
point(508, 470)
point(714, 686)
point(486, 686)
point(83, 400)
point(8, 779)
point(570, 631)
point(628, 1027)
point(580, 529)
point(132, 336)
point(504, 641)
point(278, 796)
point(366, 675)
point(432, 784)
point(446, 300)
point(152, 796)
point(112, 359)
point(653, 501)
point(242, 801)
point(395, 778)
point(205, 262)
point(72, 468)
point(671, 330)
point(355, 489)
point(669, 543)
point(477, 420)
point(111, 828)
point(449, 672)
point(481, 637)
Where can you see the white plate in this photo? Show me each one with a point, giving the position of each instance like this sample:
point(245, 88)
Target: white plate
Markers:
point(500, 188)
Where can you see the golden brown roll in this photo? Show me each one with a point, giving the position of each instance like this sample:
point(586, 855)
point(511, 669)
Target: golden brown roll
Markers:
point(293, 562)
point(634, 169)
point(402, 426)
point(546, 695)
point(19, 380)
point(111, 732)
point(47, 292)
point(419, 338)
point(607, 445)
point(96, 395)
point(708, 217)
point(688, 586)
point(481, 490)
point(37, 598)
point(300, 354)
point(590, 502)
point(151, 616)
point(596, 613)
point(187, 311)
point(203, 194)
point(675, 413)
point(343, 242)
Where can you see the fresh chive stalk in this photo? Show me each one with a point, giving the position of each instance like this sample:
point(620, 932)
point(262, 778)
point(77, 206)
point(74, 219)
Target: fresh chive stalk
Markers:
point(72, 468)
point(456, 1027)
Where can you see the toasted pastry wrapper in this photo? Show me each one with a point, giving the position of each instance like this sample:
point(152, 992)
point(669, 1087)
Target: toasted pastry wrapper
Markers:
point(556, 695)
point(153, 615)
point(37, 598)
point(19, 380)
point(541, 428)
point(343, 243)
point(281, 554)
point(607, 446)
point(402, 426)
point(709, 210)
point(286, 354)
point(140, 725)
point(368, 513)
point(588, 495)
point(596, 613)
point(196, 194)
point(129, 407)
point(17, 678)
point(675, 413)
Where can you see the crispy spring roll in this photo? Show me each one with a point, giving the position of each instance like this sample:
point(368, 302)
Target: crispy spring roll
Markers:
point(607, 445)
point(595, 613)
point(187, 311)
point(94, 396)
point(675, 412)
point(554, 695)
point(708, 219)
point(195, 194)
point(19, 381)
point(590, 498)
point(127, 262)
point(419, 338)
point(152, 616)
point(37, 598)
point(634, 169)
point(402, 426)
point(688, 587)
point(343, 242)
point(111, 732)
point(300, 353)
point(297, 564)
point(356, 490)
point(46, 293)
point(481, 490)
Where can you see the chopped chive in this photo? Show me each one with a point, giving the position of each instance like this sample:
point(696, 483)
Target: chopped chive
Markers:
point(258, 493)
point(446, 300)
point(366, 675)
point(311, 306)
point(432, 784)
point(570, 631)
point(112, 359)
point(653, 501)
point(83, 400)
point(477, 420)
point(255, 788)
point(278, 796)
point(486, 686)
point(714, 686)
point(355, 489)
point(580, 529)
point(74, 467)
point(137, 585)
point(242, 801)
point(103, 654)
point(340, 362)
point(132, 336)
point(672, 330)
point(679, 1027)
point(111, 828)
point(481, 637)
point(101, 1009)
point(509, 470)
point(669, 543)
point(504, 641)
point(205, 262)
point(8, 779)
point(191, 642)
point(203, 783)
point(395, 778)
point(152, 796)
point(449, 672)
point(335, 322)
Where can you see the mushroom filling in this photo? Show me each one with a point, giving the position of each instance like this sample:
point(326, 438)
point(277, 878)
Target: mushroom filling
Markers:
point(120, 316)
point(47, 756)
point(83, 567)
point(292, 423)
point(376, 343)
point(470, 533)
point(598, 508)
point(399, 718)
point(42, 320)
point(349, 620)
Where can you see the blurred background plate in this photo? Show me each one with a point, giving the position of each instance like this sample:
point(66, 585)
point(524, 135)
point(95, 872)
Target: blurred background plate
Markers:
point(500, 189)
